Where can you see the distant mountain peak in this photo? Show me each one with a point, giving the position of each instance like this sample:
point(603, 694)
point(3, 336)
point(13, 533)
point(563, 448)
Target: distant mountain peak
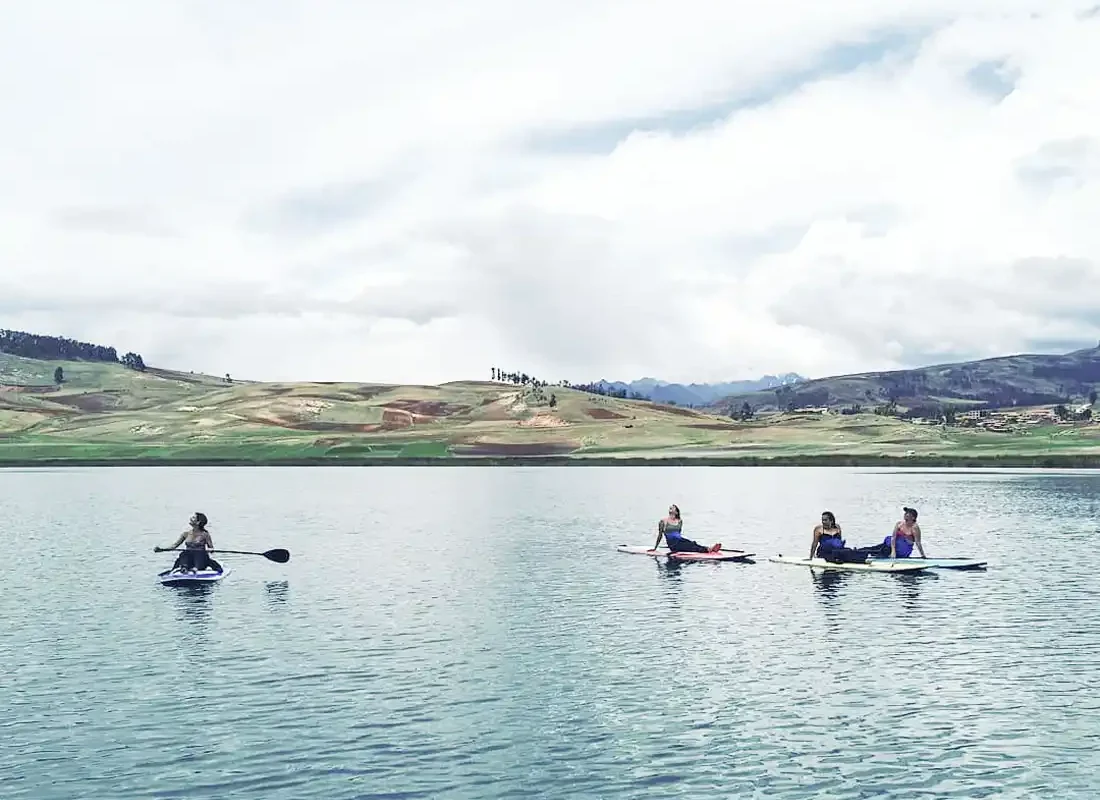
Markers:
point(698, 394)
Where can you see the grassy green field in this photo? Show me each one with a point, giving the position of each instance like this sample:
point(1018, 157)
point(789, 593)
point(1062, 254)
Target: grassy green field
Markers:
point(107, 414)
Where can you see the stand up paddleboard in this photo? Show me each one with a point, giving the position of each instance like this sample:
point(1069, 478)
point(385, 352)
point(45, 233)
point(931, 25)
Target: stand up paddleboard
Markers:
point(897, 565)
point(172, 578)
point(935, 563)
point(663, 552)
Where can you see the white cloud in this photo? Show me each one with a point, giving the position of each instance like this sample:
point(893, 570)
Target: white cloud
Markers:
point(416, 192)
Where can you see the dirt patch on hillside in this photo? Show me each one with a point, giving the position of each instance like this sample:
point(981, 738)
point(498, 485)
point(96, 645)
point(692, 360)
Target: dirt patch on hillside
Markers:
point(603, 413)
point(713, 426)
point(543, 421)
point(496, 413)
point(427, 408)
point(318, 427)
point(91, 403)
point(870, 430)
point(7, 405)
point(392, 420)
point(682, 412)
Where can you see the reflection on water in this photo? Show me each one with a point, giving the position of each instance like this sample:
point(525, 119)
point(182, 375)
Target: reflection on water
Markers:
point(193, 606)
point(910, 583)
point(277, 593)
point(669, 568)
point(194, 598)
point(827, 582)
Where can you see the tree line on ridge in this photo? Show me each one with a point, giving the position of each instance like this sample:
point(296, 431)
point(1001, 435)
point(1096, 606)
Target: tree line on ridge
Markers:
point(61, 348)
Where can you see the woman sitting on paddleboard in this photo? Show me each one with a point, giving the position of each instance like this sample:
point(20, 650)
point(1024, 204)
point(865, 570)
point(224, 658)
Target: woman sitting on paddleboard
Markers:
point(906, 533)
point(195, 541)
point(671, 527)
point(828, 544)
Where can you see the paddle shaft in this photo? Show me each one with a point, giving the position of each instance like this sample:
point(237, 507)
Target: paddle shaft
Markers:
point(241, 552)
point(277, 554)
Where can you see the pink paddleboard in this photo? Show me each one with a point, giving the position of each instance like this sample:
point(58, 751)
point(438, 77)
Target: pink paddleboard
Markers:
point(663, 552)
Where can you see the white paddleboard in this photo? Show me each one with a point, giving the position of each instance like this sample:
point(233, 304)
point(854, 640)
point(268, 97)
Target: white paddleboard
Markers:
point(936, 563)
point(171, 578)
point(898, 565)
point(663, 552)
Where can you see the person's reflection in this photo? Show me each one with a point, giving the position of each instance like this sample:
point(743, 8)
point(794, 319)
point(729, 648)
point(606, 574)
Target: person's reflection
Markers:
point(193, 602)
point(910, 587)
point(193, 606)
point(670, 568)
point(827, 582)
point(827, 585)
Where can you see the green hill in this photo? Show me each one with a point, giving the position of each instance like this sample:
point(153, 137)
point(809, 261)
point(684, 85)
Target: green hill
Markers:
point(105, 412)
point(1008, 381)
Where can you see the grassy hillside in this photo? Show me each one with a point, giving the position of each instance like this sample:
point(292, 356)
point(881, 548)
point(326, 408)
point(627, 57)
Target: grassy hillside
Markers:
point(105, 413)
point(103, 409)
point(1019, 380)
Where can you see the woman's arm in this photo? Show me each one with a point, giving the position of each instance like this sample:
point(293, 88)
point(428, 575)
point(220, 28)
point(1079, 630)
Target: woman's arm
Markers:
point(916, 540)
point(172, 546)
point(660, 533)
point(894, 540)
point(813, 542)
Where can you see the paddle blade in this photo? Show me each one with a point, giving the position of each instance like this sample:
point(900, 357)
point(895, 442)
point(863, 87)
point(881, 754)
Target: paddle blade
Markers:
point(279, 555)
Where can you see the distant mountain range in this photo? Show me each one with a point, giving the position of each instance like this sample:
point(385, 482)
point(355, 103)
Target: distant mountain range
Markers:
point(1018, 380)
point(698, 394)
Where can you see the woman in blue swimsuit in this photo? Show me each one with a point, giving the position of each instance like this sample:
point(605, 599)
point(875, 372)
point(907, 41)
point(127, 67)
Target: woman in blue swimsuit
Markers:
point(904, 537)
point(671, 527)
point(828, 544)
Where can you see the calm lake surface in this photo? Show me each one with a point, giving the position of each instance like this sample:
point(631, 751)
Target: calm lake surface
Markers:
point(472, 633)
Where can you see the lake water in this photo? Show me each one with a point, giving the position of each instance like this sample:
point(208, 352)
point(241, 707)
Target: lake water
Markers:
point(472, 633)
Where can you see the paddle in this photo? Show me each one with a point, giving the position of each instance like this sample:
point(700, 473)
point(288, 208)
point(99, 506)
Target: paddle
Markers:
point(278, 554)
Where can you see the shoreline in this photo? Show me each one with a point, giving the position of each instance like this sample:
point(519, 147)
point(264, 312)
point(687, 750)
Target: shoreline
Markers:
point(1066, 461)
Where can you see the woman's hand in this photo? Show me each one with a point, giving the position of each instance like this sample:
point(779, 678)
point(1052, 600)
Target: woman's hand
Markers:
point(158, 549)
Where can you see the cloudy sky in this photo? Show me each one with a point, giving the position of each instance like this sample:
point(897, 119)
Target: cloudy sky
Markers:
point(417, 191)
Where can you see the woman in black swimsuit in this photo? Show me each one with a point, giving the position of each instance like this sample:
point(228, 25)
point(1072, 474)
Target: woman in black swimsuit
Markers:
point(195, 541)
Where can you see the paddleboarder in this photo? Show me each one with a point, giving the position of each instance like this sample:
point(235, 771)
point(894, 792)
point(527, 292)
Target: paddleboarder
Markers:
point(906, 534)
point(194, 557)
point(828, 544)
point(671, 527)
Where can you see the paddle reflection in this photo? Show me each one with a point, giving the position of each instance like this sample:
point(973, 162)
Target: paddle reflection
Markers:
point(277, 593)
